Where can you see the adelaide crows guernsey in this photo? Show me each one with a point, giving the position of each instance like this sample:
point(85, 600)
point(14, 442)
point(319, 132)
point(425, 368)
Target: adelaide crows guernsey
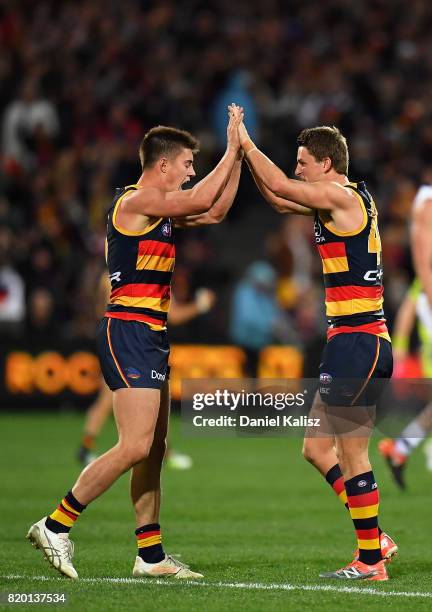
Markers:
point(140, 267)
point(352, 269)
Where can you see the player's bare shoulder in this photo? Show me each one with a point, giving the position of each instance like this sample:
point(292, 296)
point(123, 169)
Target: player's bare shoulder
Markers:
point(131, 215)
point(342, 196)
point(137, 201)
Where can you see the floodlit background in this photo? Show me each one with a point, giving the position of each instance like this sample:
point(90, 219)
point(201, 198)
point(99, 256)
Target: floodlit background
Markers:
point(81, 82)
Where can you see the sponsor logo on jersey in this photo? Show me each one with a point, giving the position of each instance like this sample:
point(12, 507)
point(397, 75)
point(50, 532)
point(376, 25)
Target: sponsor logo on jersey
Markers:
point(373, 276)
point(115, 277)
point(157, 375)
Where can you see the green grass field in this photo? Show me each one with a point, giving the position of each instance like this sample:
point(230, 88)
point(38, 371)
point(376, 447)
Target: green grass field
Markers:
point(251, 515)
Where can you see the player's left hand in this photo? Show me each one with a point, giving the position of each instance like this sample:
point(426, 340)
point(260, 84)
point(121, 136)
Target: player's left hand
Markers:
point(243, 133)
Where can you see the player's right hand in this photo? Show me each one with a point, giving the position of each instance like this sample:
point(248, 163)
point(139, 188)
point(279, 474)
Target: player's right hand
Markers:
point(236, 115)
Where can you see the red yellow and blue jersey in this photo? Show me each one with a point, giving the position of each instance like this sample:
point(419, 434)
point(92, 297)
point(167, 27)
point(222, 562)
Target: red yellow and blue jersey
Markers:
point(352, 269)
point(140, 267)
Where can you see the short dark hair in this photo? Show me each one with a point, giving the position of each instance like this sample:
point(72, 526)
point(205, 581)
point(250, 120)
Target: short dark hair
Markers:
point(162, 141)
point(325, 141)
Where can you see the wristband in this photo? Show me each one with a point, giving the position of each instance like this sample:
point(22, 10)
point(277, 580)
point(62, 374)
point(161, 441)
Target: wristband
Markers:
point(249, 146)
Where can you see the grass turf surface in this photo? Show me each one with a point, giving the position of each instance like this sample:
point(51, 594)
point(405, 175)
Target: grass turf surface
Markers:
point(251, 511)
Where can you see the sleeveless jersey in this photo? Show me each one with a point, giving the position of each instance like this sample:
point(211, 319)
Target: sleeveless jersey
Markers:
point(140, 267)
point(352, 269)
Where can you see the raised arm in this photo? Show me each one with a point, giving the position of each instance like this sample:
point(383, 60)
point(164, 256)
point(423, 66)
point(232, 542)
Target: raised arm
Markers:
point(421, 245)
point(320, 195)
point(153, 202)
point(220, 208)
point(281, 205)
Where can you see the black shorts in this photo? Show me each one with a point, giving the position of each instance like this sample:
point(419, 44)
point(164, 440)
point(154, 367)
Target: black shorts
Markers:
point(132, 355)
point(354, 369)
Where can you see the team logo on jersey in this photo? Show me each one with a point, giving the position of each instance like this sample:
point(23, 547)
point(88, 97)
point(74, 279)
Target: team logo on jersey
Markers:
point(326, 379)
point(166, 229)
point(133, 373)
point(362, 483)
point(318, 231)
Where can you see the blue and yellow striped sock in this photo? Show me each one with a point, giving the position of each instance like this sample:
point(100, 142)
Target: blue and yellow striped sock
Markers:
point(149, 542)
point(64, 516)
point(363, 502)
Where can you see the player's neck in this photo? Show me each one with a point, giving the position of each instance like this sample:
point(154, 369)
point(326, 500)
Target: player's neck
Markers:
point(334, 177)
point(342, 179)
point(149, 178)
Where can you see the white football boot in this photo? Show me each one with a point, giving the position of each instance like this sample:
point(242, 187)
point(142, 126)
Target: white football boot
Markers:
point(167, 567)
point(56, 547)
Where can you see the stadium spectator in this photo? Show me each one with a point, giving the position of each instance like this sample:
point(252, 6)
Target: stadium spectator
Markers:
point(30, 124)
point(256, 318)
point(40, 317)
point(12, 292)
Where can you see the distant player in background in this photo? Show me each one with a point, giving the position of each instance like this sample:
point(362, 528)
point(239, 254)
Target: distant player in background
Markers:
point(132, 338)
point(418, 302)
point(358, 351)
point(101, 409)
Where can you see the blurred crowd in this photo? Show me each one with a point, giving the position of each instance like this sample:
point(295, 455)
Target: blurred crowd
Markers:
point(83, 80)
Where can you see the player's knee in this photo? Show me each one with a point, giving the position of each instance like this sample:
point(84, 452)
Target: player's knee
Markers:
point(136, 452)
point(309, 451)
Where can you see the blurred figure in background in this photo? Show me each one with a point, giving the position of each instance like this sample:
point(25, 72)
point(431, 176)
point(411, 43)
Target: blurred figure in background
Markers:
point(12, 289)
point(30, 124)
point(238, 87)
point(418, 301)
point(256, 318)
point(396, 452)
point(40, 316)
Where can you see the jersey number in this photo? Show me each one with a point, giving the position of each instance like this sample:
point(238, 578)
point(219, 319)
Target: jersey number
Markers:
point(374, 241)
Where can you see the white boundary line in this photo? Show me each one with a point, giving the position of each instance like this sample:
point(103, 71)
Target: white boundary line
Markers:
point(258, 586)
